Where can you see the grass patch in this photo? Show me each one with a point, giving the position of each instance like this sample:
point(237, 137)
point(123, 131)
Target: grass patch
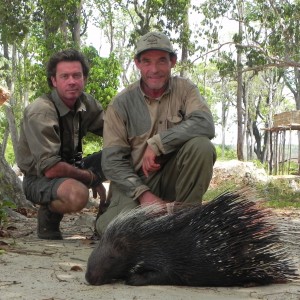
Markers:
point(216, 191)
point(279, 194)
point(276, 194)
point(3, 214)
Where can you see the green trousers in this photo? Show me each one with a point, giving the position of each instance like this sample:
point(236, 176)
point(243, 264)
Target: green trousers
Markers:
point(185, 177)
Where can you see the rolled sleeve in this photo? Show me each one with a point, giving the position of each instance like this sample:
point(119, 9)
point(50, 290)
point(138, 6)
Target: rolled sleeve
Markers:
point(119, 169)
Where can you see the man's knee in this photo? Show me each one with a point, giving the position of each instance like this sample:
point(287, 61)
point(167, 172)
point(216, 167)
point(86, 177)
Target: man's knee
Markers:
point(73, 195)
point(199, 147)
point(78, 199)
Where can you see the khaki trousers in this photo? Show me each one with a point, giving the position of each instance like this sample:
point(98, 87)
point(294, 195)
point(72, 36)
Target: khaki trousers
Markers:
point(185, 177)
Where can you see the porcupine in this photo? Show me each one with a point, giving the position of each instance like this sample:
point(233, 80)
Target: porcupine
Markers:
point(228, 242)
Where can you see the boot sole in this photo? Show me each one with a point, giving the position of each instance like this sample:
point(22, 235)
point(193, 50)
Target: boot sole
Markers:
point(50, 236)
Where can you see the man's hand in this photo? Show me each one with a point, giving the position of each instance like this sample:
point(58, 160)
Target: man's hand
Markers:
point(147, 198)
point(101, 191)
point(149, 164)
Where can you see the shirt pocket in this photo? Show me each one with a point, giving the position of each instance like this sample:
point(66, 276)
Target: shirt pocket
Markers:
point(173, 120)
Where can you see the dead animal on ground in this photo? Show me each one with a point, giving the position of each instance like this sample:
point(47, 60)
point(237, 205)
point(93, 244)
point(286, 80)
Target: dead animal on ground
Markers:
point(229, 241)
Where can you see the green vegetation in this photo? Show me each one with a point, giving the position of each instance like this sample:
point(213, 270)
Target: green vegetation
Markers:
point(3, 214)
point(91, 144)
point(212, 193)
point(279, 194)
point(9, 153)
point(229, 152)
point(275, 194)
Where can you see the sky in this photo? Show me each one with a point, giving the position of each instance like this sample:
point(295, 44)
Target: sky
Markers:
point(96, 39)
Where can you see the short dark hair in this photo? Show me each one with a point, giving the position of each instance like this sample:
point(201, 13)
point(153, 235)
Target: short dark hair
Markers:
point(66, 55)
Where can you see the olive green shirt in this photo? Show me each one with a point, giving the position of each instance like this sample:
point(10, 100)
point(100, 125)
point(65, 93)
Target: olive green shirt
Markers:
point(133, 121)
point(40, 140)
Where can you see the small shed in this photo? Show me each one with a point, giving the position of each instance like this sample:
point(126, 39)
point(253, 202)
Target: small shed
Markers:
point(281, 142)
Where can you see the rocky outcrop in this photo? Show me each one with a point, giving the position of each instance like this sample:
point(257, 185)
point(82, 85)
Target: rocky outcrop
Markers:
point(239, 172)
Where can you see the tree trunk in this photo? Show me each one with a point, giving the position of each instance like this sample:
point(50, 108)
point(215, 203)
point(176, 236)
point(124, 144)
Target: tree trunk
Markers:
point(185, 38)
point(11, 186)
point(5, 140)
point(297, 100)
point(9, 108)
point(76, 24)
point(240, 137)
point(12, 129)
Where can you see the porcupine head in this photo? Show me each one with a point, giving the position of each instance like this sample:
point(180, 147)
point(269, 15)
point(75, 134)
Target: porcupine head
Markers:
point(119, 248)
point(107, 261)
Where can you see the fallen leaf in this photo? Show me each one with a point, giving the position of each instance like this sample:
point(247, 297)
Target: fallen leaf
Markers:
point(76, 268)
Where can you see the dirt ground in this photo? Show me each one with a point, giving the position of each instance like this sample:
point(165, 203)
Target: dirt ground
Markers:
point(42, 270)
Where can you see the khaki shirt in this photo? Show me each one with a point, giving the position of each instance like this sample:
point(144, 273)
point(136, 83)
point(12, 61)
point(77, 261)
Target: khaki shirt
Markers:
point(39, 145)
point(133, 121)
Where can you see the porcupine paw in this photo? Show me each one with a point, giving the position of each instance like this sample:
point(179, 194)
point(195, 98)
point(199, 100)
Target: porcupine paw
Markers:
point(146, 278)
point(137, 279)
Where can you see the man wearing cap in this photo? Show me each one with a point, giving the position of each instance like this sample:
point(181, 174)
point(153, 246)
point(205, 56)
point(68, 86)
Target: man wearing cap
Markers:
point(157, 133)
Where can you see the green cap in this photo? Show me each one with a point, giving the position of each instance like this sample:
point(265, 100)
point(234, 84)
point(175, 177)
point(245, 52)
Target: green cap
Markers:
point(154, 41)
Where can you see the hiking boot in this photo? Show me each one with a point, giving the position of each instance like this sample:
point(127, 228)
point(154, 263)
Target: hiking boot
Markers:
point(48, 224)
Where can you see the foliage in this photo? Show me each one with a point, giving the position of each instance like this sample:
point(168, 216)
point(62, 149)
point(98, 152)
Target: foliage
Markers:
point(229, 152)
point(225, 64)
point(155, 14)
point(275, 193)
point(3, 123)
point(3, 214)
point(91, 144)
point(15, 20)
point(3, 71)
point(102, 84)
point(9, 153)
point(281, 22)
point(104, 75)
point(259, 165)
point(293, 167)
point(279, 194)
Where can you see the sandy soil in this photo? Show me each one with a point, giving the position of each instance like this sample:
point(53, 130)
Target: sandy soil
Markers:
point(38, 270)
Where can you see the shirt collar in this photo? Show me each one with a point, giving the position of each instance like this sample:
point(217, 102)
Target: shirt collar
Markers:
point(62, 108)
